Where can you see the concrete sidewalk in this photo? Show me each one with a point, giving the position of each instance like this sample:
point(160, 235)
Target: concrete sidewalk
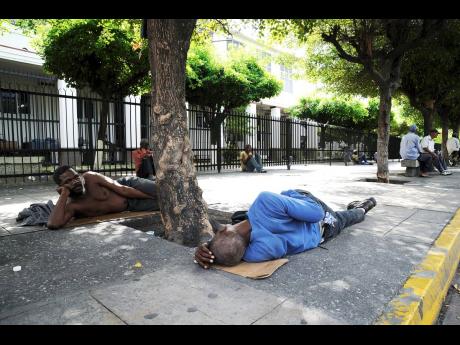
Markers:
point(86, 275)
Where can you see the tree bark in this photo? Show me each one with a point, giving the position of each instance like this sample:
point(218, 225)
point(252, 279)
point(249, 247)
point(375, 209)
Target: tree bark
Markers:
point(101, 133)
point(427, 111)
point(183, 210)
point(383, 134)
point(444, 115)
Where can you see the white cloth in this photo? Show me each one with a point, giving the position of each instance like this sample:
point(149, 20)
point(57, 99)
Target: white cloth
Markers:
point(410, 146)
point(428, 142)
point(453, 144)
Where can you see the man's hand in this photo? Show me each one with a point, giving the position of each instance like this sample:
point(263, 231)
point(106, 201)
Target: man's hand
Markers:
point(63, 190)
point(203, 256)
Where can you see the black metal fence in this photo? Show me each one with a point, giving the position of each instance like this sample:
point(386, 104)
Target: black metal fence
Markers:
point(40, 130)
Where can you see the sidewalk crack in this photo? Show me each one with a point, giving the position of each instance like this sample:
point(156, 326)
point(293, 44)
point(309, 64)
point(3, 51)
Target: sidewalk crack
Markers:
point(107, 308)
point(269, 311)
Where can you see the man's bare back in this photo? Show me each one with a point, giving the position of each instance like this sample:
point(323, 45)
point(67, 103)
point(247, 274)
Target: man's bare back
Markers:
point(91, 194)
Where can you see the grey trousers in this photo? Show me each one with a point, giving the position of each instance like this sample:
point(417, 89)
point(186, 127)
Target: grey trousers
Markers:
point(146, 186)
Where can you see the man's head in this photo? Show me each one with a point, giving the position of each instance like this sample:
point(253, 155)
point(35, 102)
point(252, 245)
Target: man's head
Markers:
point(434, 133)
point(66, 175)
point(144, 144)
point(413, 128)
point(227, 246)
point(247, 148)
point(455, 135)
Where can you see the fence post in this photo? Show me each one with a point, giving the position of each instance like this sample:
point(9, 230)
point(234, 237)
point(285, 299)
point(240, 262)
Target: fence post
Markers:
point(219, 149)
point(288, 143)
point(330, 146)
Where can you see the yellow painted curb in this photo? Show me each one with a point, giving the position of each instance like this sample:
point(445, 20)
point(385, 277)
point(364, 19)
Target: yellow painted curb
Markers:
point(423, 293)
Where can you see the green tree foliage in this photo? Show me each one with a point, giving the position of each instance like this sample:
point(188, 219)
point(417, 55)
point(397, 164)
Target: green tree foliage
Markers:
point(100, 55)
point(223, 86)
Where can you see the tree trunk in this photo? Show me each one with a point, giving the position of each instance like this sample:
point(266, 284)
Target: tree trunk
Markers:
point(427, 113)
point(101, 134)
point(443, 113)
point(456, 126)
point(383, 136)
point(183, 210)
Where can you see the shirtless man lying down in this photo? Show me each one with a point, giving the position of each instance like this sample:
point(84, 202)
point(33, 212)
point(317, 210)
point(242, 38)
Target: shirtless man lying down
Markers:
point(93, 194)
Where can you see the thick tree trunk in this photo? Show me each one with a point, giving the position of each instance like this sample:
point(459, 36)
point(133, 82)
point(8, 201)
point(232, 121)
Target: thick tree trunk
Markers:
point(456, 126)
point(383, 136)
point(183, 210)
point(443, 113)
point(101, 134)
point(428, 114)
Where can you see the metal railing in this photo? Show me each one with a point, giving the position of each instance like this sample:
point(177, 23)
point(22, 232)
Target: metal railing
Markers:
point(42, 129)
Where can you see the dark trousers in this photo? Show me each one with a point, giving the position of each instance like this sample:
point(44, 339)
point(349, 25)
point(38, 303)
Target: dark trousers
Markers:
point(146, 186)
point(147, 169)
point(343, 218)
point(425, 161)
point(438, 162)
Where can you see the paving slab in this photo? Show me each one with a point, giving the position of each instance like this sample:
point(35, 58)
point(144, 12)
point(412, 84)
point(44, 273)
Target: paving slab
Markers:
point(78, 309)
point(430, 216)
point(173, 295)
point(417, 230)
point(65, 261)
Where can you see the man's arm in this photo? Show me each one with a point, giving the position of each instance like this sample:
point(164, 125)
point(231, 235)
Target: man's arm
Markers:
point(62, 212)
point(127, 192)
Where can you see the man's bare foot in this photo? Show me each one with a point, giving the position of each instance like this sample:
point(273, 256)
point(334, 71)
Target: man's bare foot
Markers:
point(423, 175)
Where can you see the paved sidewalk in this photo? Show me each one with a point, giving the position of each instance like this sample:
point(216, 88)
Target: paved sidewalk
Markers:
point(87, 275)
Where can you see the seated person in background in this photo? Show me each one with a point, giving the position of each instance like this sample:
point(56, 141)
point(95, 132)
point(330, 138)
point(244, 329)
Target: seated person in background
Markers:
point(143, 161)
point(428, 149)
point(278, 225)
point(250, 162)
point(453, 147)
point(93, 194)
point(410, 149)
point(359, 158)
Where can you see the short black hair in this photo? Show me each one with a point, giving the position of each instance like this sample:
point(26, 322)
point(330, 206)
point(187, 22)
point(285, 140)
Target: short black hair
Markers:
point(58, 172)
point(228, 251)
point(144, 143)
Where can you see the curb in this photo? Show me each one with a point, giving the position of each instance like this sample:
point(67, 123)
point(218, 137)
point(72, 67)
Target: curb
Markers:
point(421, 297)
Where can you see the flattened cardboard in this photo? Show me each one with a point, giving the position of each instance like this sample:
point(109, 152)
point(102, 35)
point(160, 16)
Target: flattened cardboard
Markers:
point(254, 270)
point(108, 217)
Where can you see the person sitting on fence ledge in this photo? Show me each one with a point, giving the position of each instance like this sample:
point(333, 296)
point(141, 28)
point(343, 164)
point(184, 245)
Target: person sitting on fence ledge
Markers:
point(278, 225)
point(427, 144)
point(93, 194)
point(143, 161)
point(250, 161)
point(410, 149)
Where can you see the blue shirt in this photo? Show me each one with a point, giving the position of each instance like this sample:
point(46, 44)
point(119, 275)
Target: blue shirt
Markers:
point(282, 224)
point(410, 146)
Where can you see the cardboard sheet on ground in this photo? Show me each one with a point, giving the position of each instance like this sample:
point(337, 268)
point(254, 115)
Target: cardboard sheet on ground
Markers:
point(254, 270)
point(108, 217)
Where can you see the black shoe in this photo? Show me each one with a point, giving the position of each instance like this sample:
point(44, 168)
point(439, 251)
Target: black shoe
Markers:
point(262, 171)
point(366, 204)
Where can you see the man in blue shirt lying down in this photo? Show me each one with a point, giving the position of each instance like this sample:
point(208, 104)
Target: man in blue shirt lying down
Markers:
point(278, 225)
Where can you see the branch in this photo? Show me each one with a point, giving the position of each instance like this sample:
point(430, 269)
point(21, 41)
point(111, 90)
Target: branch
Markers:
point(224, 26)
point(332, 38)
point(426, 32)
